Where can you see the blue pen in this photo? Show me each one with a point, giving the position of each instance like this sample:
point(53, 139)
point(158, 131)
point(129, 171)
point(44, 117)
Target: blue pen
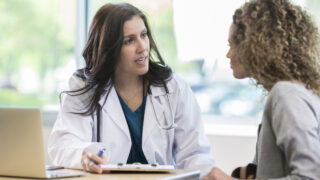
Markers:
point(100, 153)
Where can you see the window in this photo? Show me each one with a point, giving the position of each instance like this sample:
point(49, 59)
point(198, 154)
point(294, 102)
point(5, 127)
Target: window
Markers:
point(40, 45)
point(37, 51)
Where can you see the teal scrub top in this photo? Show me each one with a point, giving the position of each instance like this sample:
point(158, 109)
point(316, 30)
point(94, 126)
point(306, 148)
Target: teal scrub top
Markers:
point(135, 124)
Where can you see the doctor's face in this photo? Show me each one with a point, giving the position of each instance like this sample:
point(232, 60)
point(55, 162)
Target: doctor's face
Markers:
point(134, 55)
point(237, 68)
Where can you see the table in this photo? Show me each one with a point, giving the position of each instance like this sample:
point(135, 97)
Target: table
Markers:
point(176, 175)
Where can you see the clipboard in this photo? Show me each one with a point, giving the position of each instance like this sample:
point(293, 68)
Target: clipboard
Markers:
point(136, 167)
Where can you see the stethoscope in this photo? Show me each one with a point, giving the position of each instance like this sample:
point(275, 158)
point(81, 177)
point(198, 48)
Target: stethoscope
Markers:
point(170, 126)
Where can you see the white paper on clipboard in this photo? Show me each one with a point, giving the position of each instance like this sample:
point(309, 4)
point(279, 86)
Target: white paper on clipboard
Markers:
point(138, 167)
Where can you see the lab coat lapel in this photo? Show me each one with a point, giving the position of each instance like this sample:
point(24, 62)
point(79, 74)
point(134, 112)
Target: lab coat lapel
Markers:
point(114, 111)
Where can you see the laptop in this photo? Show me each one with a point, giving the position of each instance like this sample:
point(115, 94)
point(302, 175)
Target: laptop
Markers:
point(21, 145)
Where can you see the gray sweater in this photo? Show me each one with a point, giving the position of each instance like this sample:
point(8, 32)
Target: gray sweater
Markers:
point(288, 146)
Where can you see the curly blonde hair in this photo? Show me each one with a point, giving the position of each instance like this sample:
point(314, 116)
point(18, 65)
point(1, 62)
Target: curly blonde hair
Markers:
point(277, 41)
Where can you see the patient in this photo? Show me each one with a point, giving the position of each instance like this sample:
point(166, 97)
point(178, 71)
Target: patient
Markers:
point(277, 44)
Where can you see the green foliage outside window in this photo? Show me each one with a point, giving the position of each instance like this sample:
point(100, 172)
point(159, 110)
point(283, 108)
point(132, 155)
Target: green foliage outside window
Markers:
point(31, 36)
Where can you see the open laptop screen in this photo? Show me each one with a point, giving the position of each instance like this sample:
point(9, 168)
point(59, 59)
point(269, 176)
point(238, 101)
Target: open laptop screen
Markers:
point(21, 144)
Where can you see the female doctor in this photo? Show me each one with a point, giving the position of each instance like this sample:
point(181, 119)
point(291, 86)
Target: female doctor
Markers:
point(127, 101)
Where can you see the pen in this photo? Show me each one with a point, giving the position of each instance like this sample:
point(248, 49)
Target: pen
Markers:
point(100, 153)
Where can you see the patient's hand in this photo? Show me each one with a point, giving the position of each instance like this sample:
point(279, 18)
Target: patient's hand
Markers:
point(88, 164)
point(217, 174)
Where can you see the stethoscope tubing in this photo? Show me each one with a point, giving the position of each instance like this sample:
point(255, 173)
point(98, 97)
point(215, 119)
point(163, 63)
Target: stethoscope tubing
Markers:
point(172, 125)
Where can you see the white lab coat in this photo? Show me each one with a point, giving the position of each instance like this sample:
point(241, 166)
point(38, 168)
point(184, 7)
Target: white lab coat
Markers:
point(185, 147)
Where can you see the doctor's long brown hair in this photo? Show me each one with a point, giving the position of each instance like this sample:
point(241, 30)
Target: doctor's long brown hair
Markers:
point(102, 51)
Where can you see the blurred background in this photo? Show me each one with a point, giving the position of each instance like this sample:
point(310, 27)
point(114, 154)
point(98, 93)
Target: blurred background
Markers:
point(42, 42)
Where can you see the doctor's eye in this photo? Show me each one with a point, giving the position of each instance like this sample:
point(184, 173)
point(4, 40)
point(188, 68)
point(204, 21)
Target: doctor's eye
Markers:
point(144, 34)
point(128, 41)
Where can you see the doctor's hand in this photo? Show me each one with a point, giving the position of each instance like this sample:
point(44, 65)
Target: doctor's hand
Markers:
point(217, 174)
point(90, 162)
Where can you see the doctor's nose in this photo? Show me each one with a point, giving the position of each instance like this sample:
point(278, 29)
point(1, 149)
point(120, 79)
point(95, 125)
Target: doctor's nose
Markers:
point(142, 46)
